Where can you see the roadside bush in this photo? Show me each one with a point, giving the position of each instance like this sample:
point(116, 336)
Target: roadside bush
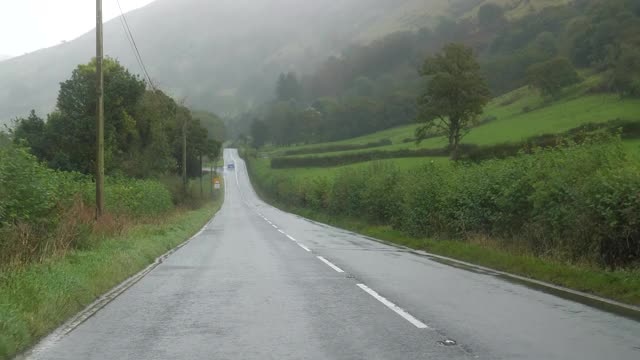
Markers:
point(346, 196)
point(577, 202)
point(379, 199)
point(45, 212)
point(29, 192)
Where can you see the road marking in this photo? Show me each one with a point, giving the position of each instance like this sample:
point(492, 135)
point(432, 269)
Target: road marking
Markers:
point(281, 232)
point(331, 265)
point(398, 310)
point(304, 247)
point(275, 227)
point(291, 238)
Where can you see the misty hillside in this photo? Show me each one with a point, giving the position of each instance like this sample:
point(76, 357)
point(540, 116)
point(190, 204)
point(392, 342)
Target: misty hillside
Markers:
point(224, 55)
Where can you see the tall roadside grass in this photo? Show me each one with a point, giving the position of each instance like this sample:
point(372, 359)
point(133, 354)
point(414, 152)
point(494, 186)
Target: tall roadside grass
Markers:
point(574, 203)
point(45, 212)
point(36, 298)
point(55, 258)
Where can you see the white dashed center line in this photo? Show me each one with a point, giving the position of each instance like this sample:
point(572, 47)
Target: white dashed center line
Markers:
point(331, 265)
point(304, 247)
point(398, 310)
point(417, 323)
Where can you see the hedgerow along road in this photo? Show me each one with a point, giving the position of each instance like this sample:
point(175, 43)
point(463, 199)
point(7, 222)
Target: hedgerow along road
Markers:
point(260, 283)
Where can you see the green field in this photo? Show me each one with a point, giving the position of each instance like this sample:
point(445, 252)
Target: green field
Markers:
point(511, 122)
point(262, 166)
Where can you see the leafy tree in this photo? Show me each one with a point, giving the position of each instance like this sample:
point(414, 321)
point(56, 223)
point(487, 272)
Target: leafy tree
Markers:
point(545, 44)
point(455, 94)
point(213, 150)
point(5, 140)
point(624, 78)
point(288, 87)
point(311, 125)
point(197, 137)
point(491, 16)
point(152, 153)
point(550, 77)
point(282, 119)
point(71, 129)
point(363, 86)
point(213, 123)
point(259, 133)
point(31, 131)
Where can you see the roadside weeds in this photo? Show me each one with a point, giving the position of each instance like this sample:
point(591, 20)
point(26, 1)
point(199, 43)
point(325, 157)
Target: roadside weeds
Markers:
point(37, 298)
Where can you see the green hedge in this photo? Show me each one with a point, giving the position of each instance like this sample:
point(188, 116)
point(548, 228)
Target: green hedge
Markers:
point(352, 158)
point(341, 147)
point(575, 203)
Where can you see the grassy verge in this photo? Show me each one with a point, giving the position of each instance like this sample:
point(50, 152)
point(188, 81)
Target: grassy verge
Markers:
point(623, 286)
point(37, 298)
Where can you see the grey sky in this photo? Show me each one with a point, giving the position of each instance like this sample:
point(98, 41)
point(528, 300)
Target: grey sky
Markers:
point(28, 25)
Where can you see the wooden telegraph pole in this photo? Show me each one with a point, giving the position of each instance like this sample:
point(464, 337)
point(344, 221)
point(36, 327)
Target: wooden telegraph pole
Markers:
point(99, 114)
point(184, 154)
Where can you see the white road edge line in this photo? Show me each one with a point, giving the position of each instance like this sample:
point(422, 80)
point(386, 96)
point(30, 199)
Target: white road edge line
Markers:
point(331, 265)
point(304, 247)
point(291, 238)
point(398, 310)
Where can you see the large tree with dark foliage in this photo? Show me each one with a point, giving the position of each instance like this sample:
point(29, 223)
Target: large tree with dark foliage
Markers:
point(72, 126)
point(30, 131)
point(288, 87)
point(454, 97)
point(259, 133)
point(550, 77)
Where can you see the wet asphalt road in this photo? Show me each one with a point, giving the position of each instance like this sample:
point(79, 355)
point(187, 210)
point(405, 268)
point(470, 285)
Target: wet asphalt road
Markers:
point(247, 288)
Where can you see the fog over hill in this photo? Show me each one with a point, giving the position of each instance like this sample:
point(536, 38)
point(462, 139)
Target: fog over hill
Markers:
point(219, 55)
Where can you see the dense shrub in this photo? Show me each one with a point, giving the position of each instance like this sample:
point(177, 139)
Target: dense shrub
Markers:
point(29, 191)
point(576, 202)
point(43, 211)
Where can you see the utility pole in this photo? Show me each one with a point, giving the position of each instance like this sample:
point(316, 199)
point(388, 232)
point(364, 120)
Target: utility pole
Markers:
point(184, 154)
point(99, 114)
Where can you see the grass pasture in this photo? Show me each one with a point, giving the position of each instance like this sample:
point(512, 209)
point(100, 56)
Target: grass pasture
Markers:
point(516, 116)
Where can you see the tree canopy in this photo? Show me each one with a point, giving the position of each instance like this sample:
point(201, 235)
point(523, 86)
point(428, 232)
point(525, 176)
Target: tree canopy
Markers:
point(143, 128)
point(455, 94)
point(551, 76)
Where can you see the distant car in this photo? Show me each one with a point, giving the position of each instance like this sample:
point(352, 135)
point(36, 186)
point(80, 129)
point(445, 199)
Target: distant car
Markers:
point(231, 166)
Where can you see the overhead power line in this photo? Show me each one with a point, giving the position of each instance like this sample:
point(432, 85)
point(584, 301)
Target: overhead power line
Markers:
point(134, 46)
